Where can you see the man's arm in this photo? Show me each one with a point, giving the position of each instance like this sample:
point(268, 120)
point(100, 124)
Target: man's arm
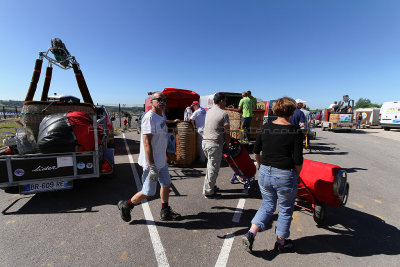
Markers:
point(302, 119)
point(172, 121)
point(148, 150)
point(258, 160)
point(240, 105)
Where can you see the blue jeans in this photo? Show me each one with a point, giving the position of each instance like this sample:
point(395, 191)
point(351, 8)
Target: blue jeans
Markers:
point(276, 184)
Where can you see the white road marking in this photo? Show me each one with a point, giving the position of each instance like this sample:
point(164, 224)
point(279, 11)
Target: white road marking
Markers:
point(226, 247)
point(155, 238)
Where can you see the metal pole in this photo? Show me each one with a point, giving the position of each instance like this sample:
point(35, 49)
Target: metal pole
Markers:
point(16, 112)
point(4, 112)
point(119, 111)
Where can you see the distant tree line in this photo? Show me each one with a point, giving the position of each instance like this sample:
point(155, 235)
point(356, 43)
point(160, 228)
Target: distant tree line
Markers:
point(365, 103)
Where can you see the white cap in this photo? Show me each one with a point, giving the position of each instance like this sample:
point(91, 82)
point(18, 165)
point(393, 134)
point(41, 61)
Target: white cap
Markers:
point(298, 100)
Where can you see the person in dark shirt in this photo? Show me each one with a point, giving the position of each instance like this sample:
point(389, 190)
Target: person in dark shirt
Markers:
point(281, 146)
point(298, 118)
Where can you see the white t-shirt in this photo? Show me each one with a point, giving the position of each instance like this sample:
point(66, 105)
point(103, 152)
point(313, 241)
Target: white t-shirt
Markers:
point(154, 124)
point(199, 116)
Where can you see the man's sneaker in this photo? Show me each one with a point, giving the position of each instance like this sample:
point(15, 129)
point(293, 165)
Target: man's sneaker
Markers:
point(168, 214)
point(247, 241)
point(288, 246)
point(213, 196)
point(124, 210)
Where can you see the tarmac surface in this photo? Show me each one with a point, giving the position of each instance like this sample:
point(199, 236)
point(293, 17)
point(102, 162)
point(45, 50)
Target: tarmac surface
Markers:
point(82, 227)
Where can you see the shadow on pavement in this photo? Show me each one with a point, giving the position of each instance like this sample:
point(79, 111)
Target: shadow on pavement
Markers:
point(120, 149)
point(325, 149)
point(352, 170)
point(220, 219)
point(354, 233)
point(83, 197)
point(86, 193)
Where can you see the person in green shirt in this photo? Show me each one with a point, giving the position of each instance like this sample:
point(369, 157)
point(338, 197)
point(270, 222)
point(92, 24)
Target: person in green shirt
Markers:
point(252, 98)
point(246, 108)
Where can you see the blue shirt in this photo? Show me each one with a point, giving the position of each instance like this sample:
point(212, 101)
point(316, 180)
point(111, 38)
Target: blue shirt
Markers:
point(297, 118)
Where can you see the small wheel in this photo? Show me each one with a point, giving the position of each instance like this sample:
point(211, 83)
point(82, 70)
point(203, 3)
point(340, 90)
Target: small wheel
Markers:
point(11, 190)
point(319, 214)
point(323, 128)
point(386, 128)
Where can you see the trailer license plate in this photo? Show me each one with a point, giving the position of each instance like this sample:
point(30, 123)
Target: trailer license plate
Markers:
point(45, 186)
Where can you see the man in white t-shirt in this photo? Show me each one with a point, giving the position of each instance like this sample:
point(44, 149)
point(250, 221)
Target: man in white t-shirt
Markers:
point(198, 119)
point(152, 157)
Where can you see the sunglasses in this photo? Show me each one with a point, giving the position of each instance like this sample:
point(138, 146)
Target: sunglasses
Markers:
point(160, 99)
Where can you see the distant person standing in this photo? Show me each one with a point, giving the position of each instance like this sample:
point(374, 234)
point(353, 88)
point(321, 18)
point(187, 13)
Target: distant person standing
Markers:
point(125, 124)
point(246, 108)
point(307, 116)
point(298, 118)
point(198, 119)
point(216, 136)
point(359, 119)
point(152, 157)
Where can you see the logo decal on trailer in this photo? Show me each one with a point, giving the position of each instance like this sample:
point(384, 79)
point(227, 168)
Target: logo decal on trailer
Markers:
point(80, 165)
point(19, 172)
point(89, 165)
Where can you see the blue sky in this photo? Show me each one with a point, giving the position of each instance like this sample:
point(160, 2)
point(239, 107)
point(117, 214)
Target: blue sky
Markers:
point(314, 50)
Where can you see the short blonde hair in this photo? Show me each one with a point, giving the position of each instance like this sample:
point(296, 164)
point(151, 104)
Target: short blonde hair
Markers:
point(284, 107)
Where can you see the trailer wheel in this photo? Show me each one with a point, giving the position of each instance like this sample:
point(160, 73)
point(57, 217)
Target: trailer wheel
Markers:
point(319, 214)
point(323, 128)
point(386, 128)
point(11, 190)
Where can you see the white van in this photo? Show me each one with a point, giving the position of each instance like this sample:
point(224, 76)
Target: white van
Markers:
point(390, 115)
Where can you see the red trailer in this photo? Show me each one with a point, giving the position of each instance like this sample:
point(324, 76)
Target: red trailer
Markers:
point(322, 184)
point(177, 101)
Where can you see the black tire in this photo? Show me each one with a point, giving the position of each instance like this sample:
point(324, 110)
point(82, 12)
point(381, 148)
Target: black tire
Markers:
point(11, 190)
point(386, 128)
point(324, 129)
point(319, 214)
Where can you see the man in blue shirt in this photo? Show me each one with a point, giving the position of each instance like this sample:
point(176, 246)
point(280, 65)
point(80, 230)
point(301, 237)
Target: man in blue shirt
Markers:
point(298, 117)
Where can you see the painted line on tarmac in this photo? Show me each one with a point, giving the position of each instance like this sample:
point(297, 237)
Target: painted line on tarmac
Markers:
point(226, 247)
point(155, 238)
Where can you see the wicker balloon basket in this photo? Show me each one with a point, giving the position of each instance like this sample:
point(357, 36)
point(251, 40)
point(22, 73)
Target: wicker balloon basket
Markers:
point(33, 112)
point(235, 120)
point(185, 145)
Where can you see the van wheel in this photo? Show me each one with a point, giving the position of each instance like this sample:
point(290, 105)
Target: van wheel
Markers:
point(386, 128)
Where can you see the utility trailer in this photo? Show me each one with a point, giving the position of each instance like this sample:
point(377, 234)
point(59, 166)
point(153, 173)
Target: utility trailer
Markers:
point(33, 173)
point(30, 172)
point(340, 117)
